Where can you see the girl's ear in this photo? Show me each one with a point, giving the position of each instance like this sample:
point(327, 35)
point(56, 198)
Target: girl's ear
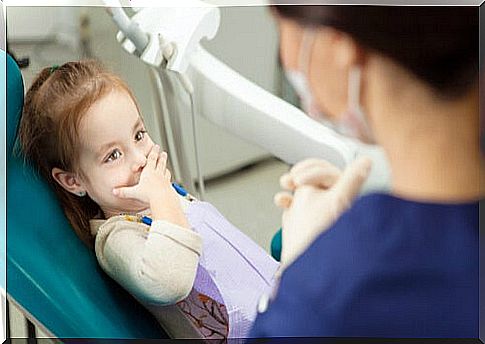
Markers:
point(68, 180)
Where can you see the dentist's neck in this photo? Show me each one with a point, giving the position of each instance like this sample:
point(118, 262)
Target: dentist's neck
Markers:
point(432, 144)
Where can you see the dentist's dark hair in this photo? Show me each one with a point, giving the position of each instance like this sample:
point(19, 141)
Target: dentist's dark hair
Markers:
point(48, 132)
point(439, 45)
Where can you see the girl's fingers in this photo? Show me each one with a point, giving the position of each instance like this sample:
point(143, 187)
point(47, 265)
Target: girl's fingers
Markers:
point(283, 199)
point(153, 157)
point(124, 192)
point(168, 175)
point(162, 162)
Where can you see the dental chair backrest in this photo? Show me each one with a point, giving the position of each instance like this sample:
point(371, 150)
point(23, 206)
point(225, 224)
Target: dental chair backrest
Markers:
point(50, 273)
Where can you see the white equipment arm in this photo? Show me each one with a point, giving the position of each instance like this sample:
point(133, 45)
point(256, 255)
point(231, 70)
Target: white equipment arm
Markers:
point(231, 101)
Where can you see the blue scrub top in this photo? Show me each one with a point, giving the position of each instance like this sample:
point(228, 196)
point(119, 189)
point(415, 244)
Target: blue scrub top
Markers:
point(388, 267)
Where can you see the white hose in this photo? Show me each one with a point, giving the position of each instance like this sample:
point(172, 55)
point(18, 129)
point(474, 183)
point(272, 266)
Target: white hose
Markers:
point(129, 28)
point(187, 85)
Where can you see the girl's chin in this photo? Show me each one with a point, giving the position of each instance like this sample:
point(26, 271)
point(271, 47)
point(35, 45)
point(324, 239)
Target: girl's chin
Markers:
point(127, 207)
point(131, 207)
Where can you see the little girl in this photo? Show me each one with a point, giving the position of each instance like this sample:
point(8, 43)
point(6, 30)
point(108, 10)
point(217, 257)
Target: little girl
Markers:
point(199, 275)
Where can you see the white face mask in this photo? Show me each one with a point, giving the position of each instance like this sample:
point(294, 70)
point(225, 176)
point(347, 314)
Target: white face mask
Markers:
point(299, 83)
point(298, 79)
point(353, 122)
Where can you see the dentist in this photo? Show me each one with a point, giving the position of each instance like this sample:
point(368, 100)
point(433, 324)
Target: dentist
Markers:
point(405, 263)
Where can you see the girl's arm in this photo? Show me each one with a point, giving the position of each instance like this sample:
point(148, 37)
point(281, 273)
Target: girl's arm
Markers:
point(158, 266)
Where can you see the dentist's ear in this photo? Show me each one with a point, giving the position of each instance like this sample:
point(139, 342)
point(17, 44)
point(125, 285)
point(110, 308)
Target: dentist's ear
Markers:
point(69, 181)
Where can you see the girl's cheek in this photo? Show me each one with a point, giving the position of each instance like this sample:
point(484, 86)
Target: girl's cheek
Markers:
point(121, 177)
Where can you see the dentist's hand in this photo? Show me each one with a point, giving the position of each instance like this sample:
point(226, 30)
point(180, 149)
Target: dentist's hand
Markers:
point(321, 193)
point(155, 188)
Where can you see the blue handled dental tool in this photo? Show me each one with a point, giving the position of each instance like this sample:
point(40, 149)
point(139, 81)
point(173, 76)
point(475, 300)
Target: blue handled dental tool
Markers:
point(180, 190)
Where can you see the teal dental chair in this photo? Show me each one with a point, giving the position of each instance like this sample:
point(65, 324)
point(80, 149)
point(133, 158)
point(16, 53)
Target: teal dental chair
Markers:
point(52, 276)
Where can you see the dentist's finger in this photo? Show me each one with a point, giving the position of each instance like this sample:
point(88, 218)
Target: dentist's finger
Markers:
point(351, 180)
point(153, 157)
point(283, 199)
point(318, 176)
point(310, 163)
point(286, 182)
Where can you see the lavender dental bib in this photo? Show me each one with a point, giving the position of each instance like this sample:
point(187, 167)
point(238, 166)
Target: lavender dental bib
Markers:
point(233, 269)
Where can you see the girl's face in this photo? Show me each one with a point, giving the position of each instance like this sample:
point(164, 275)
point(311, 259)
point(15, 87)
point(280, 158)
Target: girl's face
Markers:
point(114, 145)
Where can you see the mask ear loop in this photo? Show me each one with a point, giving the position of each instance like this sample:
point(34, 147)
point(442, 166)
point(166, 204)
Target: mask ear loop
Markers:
point(354, 90)
point(354, 115)
point(304, 55)
point(304, 59)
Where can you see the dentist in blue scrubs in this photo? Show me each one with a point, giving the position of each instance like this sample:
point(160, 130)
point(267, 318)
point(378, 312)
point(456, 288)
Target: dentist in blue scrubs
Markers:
point(397, 264)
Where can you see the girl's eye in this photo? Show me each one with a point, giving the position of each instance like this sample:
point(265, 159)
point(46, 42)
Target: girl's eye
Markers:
point(140, 135)
point(116, 154)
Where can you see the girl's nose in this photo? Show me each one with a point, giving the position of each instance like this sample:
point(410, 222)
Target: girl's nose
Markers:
point(140, 162)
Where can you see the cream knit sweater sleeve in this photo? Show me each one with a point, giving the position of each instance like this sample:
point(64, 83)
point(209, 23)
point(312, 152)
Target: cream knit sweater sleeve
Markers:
point(156, 266)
